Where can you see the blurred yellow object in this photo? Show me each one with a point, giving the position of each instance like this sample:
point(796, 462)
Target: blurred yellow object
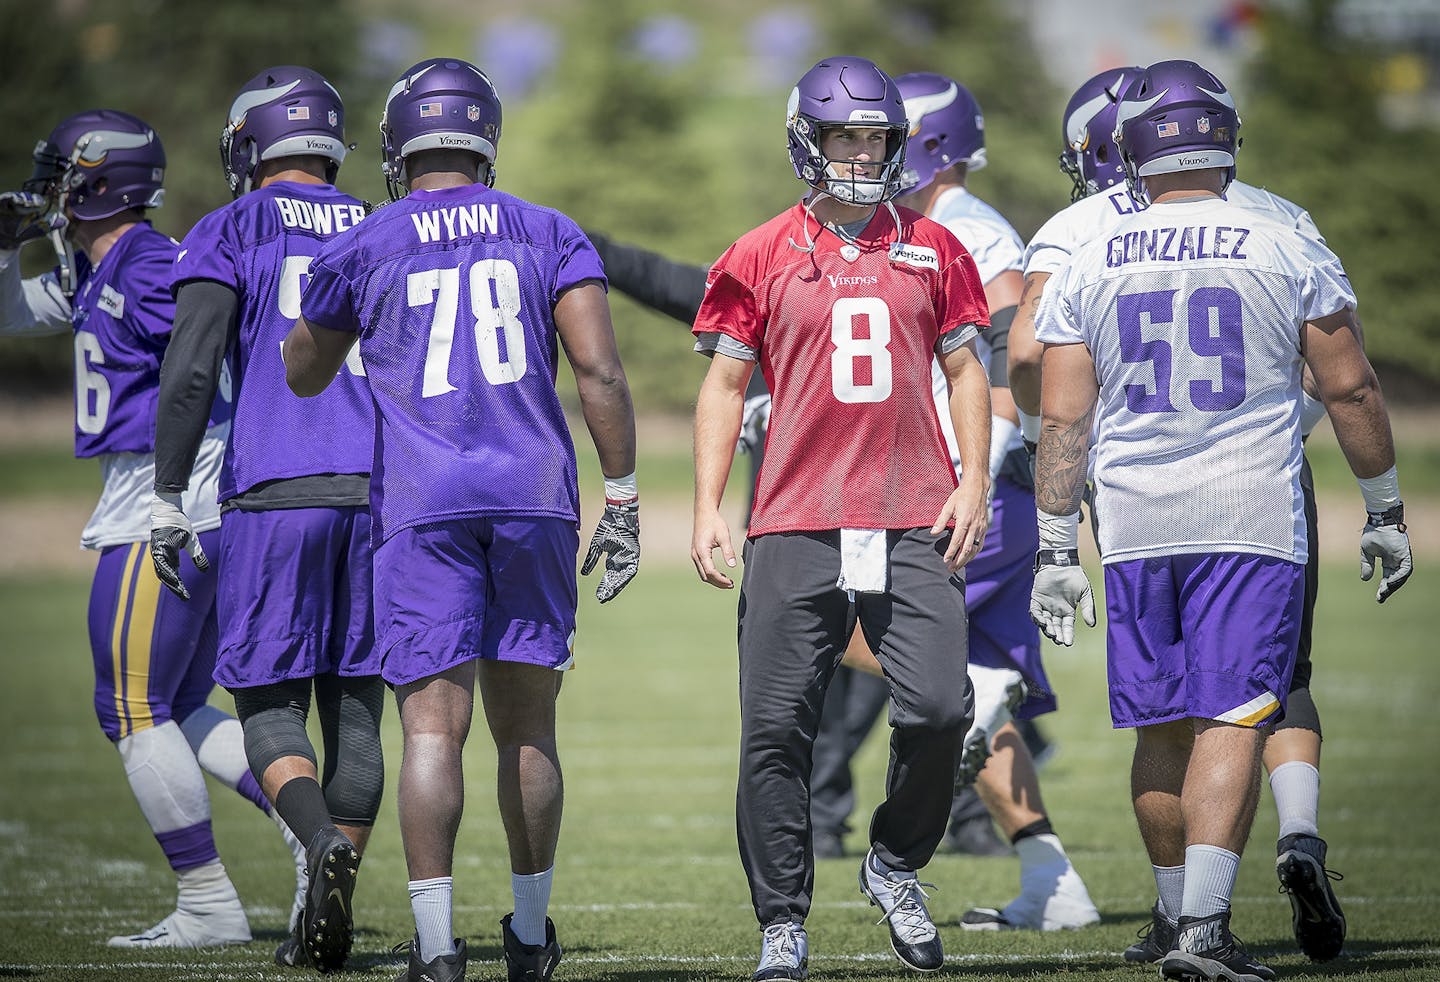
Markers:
point(1403, 74)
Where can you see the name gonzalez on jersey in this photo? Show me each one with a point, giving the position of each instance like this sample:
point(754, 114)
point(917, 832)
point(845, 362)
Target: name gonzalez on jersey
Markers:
point(1176, 244)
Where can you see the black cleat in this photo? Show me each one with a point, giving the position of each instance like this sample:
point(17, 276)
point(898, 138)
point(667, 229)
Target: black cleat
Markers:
point(1157, 939)
point(1318, 920)
point(291, 953)
point(327, 925)
point(441, 968)
point(530, 962)
point(1207, 952)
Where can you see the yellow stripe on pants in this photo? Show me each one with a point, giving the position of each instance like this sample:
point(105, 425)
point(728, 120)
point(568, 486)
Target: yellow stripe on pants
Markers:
point(143, 611)
point(117, 641)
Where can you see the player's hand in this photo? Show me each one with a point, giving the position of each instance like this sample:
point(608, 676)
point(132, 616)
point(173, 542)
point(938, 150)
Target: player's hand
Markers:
point(711, 533)
point(754, 421)
point(617, 538)
point(170, 531)
point(969, 506)
point(1060, 589)
point(1384, 541)
point(25, 216)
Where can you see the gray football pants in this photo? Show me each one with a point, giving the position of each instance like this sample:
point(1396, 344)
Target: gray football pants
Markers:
point(793, 627)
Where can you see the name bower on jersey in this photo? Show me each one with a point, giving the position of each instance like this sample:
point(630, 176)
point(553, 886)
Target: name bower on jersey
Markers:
point(321, 217)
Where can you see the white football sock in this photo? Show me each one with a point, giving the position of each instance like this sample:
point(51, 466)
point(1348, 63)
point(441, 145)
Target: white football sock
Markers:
point(1296, 787)
point(1170, 882)
point(165, 778)
point(532, 900)
point(206, 888)
point(1209, 880)
point(431, 901)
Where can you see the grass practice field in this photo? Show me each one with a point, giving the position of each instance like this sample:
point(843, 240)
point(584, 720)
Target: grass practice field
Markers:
point(649, 885)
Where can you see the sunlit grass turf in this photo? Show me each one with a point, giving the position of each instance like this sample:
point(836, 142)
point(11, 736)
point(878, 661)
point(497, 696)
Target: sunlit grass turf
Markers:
point(649, 885)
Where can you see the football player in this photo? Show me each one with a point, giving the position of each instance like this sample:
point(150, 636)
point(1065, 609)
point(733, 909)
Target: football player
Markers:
point(294, 587)
point(1178, 339)
point(461, 297)
point(97, 175)
point(1102, 199)
point(829, 541)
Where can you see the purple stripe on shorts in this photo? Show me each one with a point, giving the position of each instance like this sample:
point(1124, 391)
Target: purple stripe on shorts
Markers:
point(1201, 636)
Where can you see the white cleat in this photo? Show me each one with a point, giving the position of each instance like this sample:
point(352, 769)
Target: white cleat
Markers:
point(182, 929)
point(1055, 899)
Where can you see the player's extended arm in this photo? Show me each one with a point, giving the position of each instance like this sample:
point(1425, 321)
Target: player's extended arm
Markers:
point(313, 355)
point(717, 425)
point(1351, 393)
point(968, 504)
point(659, 283)
point(1067, 401)
point(1025, 351)
point(582, 319)
point(36, 305)
point(205, 325)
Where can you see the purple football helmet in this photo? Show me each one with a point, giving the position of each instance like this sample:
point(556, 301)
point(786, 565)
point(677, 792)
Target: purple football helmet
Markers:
point(846, 91)
point(439, 104)
point(285, 111)
point(946, 128)
point(1090, 158)
point(99, 163)
point(1175, 116)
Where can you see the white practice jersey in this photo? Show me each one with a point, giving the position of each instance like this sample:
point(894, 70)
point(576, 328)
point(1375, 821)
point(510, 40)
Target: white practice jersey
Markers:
point(996, 248)
point(1192, 312)
point(36, 306)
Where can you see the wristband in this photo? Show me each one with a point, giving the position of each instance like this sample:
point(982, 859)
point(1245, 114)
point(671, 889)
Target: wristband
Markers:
point(1001, 432)
point(1058, 531)
point(1389, 517)
point(1056, 557)
point(621, 489)
point(1381, 492)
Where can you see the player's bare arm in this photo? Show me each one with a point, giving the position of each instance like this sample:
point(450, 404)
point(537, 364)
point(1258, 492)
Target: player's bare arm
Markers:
point(717, 427)
point(1347, 385)
point(313, 355)
point(1067, 416)
point(582, 319)
point(1025, 351)
point(970, 414)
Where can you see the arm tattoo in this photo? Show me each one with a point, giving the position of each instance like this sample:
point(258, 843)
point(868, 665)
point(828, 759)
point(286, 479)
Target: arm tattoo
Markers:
point(1061, 465)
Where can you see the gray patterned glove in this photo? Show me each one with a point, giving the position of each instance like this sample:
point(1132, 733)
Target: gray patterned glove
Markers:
point(1384, 541)
point(617, 538)
point(1060, 588)
point(170, 531)
point(25, 217)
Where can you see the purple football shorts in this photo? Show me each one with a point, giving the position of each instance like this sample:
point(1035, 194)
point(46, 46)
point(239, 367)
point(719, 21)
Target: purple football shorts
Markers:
point(499, 588)
point(153, 652)
point(997, 597)
point(1205, 636)
point(294, 595)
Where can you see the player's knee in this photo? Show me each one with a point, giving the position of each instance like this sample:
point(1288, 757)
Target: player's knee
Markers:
point(273, 718)
point(1300, 713)
point(354, 789)
point(198, 725)
point(944, 709)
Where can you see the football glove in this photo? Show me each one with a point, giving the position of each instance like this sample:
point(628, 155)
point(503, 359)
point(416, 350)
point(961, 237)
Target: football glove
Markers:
point(617, 538)
point(1384, 541)
point(25, 217)
point(754, 421)
point(170, 531)
point(1060, 588)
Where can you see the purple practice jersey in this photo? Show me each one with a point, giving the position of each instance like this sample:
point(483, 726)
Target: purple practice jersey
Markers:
point(123, 312)
point(261, 246)
point(452, 293)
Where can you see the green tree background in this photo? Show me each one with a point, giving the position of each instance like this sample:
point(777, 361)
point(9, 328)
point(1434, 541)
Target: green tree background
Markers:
point(683, 154)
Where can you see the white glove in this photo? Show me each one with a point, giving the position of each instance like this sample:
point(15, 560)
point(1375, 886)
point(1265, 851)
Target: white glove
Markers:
point(1060, 587)
point(1385, 541)
point(171, 531)
point(754, 421)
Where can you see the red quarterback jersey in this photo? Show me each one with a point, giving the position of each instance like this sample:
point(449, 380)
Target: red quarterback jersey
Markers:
point(845, 335)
